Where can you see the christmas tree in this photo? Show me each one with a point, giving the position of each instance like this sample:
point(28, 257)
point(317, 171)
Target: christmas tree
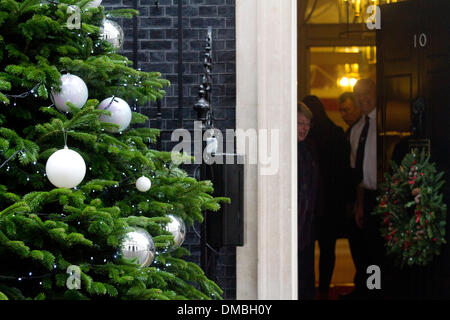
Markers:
point(85, 203)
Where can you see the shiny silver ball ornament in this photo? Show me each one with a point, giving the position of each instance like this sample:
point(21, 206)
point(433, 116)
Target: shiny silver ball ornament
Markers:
point(73, 90)
point(113, 33)
point(177, 228)
point(138, 245)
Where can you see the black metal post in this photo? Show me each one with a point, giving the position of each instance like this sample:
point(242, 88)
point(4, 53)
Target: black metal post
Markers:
point(204, 114)
point(203, 105)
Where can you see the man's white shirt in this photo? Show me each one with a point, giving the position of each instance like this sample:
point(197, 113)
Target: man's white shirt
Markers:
point(370, 153)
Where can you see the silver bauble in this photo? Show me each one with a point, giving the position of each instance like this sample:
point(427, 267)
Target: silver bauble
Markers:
point(138, 244)
point(113, 33)
point(177, 228)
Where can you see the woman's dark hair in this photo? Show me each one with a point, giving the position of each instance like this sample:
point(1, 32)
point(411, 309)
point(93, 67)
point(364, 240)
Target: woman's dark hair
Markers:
point(315, 105)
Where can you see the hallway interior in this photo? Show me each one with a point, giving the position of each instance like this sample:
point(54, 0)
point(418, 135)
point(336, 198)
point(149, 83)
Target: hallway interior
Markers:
point(344, 270)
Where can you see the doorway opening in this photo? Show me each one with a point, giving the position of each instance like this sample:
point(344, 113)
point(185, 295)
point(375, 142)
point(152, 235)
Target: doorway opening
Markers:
point(335, 49)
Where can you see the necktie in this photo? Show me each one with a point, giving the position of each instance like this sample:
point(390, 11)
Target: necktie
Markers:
point(360, 151)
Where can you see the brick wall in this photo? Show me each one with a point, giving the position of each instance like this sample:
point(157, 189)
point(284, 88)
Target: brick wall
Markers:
point(158, 51)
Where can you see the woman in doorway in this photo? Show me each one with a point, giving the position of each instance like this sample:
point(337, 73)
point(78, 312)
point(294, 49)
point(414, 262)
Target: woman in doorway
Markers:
point(308, 177)
point(333, 152)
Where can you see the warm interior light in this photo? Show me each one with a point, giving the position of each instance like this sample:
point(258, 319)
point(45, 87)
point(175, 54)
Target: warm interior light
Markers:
point(344, 82)
point(347, 82)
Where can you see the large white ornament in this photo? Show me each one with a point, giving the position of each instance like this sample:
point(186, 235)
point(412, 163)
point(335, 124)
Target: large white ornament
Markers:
point(120, 112)
point(143, 184)
point(94, 4)
point(73, 89)
point(65, 168)
point(113, 33)
point(138, 243)
point(177, 228)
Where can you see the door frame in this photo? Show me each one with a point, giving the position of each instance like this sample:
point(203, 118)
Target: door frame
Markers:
point(266, 99)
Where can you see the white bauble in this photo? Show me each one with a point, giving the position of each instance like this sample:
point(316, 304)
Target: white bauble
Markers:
point(65, 168)
point(177, 228)
point(94, 4)
point(73, 89)
point(120, 112)
point(143, 184)
point(138, 244)
point(113, 33)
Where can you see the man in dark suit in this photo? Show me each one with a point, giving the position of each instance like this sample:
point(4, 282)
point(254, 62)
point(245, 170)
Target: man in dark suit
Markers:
point(351, 114)
point(363, 160)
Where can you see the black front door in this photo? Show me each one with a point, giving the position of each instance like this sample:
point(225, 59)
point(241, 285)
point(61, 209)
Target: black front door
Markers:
point(413, 73)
